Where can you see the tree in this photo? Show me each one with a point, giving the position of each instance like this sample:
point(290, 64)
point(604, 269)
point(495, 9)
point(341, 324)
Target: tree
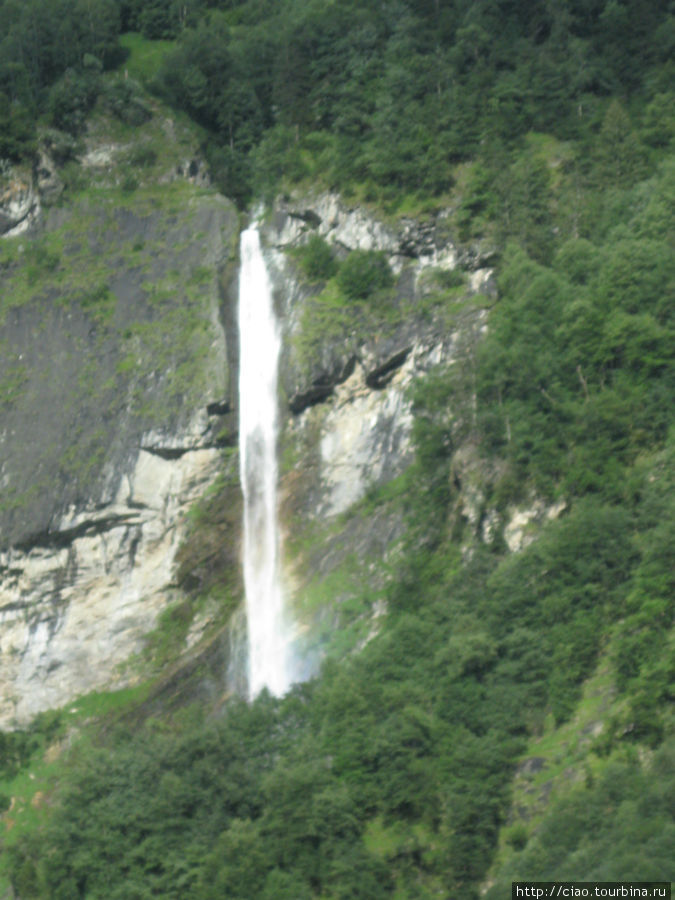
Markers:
point(620, 154)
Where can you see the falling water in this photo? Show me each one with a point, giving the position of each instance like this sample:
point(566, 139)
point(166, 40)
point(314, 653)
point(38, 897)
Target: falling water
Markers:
point(259, 342)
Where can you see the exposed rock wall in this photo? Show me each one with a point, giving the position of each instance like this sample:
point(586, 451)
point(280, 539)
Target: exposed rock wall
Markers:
point(116, 394)
point(111, 326)
point(76, 602)
point(353, 227)
point(365, 437)
point(347, 395)
point(114, 416)
point(349, 406)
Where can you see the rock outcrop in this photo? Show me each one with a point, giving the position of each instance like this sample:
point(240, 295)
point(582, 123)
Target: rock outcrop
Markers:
point(77, 600)
point(348, 393)
point(347, 383)
point(117, 383)
point(19, 206)
point(352, 227)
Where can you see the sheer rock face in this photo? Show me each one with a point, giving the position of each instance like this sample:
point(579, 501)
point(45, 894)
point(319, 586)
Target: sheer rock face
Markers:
point(77, 601)
point(365, 437)
point(113, 404)
point(349, 404)
point(346, 395)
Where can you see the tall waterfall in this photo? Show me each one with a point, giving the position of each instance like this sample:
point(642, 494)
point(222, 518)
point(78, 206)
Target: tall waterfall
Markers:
point(260, 343)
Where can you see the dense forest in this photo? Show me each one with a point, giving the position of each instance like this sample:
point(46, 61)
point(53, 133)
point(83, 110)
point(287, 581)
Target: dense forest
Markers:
point(387, 95)
point(550, 125)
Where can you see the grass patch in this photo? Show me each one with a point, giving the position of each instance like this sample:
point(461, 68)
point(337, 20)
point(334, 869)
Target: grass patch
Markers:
point(167, 640)
point(144, 56)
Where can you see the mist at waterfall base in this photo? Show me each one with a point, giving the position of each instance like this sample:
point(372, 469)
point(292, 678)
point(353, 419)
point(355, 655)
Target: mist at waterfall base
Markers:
point(270, 654)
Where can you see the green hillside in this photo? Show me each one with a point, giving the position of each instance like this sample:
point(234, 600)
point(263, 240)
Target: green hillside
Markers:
point(512, 717)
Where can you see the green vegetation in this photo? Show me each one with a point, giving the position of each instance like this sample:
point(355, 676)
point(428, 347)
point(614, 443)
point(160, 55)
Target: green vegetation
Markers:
point(382, 98)
point(354, 297)
point(144, 56)
point(34, 761)
point(316, 259)
point(209, 558)
point(609, 829)
point(547, 131)
point(363, 274)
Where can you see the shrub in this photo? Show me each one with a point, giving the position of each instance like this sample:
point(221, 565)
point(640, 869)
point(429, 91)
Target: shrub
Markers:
point(316, 259)
point(517, 836)
point(122, 99)
point(62, 147)
point(71, 98)
point(363, 273)
point(129, 184)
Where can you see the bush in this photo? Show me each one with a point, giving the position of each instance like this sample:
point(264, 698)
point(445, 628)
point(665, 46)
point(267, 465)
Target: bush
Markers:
point(517, 836)
point(122, 100)
point(129, 184)
point(231, 172)
point(158, 21)
point(363, 273)
point(62, 147)
point(71, 98)
point(316, 259)
point(17, 131)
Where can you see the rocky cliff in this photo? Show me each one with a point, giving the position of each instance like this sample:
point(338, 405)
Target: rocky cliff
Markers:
point(347, 378)
point(118, 385)
point(116, 390)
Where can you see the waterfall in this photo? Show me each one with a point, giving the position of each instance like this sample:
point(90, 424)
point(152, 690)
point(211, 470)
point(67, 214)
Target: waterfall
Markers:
point(260, 343)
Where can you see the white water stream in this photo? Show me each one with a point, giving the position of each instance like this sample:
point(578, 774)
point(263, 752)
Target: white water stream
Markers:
point(269, 654)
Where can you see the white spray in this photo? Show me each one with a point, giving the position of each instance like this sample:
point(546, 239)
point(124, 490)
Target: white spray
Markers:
point(269, 664)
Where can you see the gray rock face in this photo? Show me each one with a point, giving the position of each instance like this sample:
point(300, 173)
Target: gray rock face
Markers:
point(352, 228)
point(348, 396)
point(49, 184)
point(116, 334)
point(116, 391)
point(77, 601)
point(524, 522)
point(118, 371)
point(365, 437)
point(413, 249)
